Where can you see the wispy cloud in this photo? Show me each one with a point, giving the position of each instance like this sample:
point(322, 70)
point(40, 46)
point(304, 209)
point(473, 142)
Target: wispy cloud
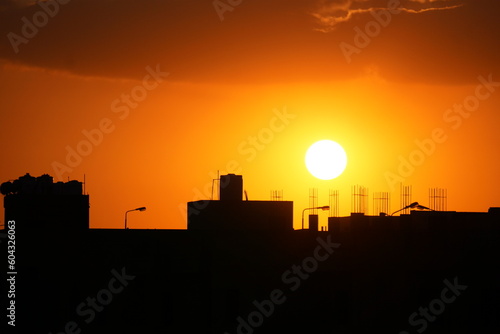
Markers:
point(14, 4)
point(330, 13)
point(259, 44)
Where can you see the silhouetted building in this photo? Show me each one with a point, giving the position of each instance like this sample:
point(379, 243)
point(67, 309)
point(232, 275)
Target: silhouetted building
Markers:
point(232, 213)
point(423, 224)
point(313, 222)
point(240, 268)
point(38, 203)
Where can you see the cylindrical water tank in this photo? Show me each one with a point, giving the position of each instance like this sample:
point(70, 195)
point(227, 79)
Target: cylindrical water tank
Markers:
point(231, 187)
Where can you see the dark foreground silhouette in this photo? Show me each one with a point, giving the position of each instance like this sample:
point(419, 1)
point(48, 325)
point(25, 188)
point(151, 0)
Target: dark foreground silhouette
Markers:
point(241, 268)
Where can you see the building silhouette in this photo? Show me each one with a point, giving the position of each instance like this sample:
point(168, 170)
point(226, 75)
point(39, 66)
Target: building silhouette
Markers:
point(232, 213)
point(239, 267)
point(38, 203)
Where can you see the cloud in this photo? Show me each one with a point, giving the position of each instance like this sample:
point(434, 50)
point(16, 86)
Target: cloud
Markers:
point(12, 4)
point(259, 41)
point(330, 13)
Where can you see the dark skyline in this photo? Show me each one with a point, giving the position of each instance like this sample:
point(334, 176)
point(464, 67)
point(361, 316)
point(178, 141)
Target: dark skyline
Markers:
point(240, 267)
point(149, 99)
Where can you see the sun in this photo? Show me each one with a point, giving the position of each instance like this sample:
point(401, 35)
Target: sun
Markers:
point(326, 159)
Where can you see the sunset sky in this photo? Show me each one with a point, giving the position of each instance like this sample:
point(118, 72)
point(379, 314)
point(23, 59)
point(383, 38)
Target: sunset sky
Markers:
point(157, 96)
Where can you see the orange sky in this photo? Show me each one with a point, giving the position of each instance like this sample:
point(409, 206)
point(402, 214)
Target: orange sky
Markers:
point(229, 80)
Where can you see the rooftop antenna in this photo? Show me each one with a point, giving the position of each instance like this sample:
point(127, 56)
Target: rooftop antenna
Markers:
point(84, 191)
point(438, 199)
point(276, 195)
point(405, 198)
point(381, 203)
point(313, 200)
point(213, 180)
point(359, 199)
point(334, 203)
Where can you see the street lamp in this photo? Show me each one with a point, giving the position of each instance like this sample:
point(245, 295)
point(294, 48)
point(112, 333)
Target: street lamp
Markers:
point(142, 208)
point(413, 206)
point(326, 207)
point(409, 206)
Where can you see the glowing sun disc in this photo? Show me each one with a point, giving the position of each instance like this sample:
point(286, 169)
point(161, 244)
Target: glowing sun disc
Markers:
point(326, 159)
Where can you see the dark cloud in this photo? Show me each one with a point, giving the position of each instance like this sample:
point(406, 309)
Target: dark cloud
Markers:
point(258, 41)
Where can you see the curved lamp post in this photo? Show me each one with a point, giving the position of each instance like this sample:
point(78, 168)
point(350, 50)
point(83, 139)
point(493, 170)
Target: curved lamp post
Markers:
point(142, 208)
point(409, 206)
point(413, 206)
point(326, 207)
